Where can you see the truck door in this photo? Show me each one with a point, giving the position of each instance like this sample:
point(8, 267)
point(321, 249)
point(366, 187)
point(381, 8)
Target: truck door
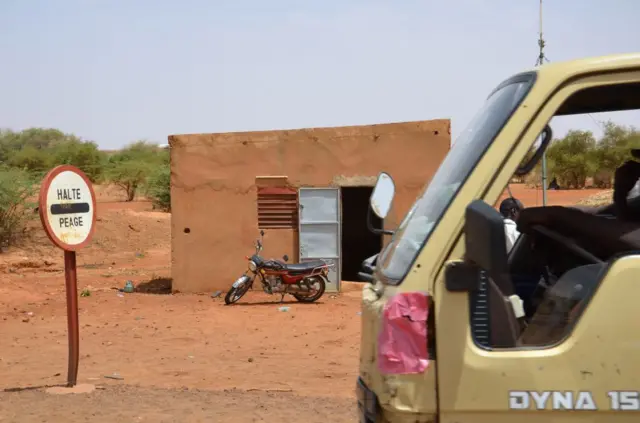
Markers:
point(584, 368)
point(582, 374)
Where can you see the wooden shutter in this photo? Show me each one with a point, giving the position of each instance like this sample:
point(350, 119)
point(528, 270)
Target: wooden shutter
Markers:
point(277, 208)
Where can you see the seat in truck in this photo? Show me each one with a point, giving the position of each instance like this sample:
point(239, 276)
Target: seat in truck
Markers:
point(602, 236)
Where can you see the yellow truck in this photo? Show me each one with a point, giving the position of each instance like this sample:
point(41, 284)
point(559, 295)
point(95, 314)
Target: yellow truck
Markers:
point(446, 333)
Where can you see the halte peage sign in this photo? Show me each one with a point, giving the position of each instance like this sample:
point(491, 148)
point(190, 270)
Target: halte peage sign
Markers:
point(67, 207)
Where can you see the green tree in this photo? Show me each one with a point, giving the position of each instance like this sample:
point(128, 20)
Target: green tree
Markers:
point(571, 159)
point(85, 155)
point(7, 140)
point(31, 159)
point(140, 151)
point(159, 188)
point(130, 175)
point(534, 178)
point(17, 189)
point(612, 150)
point(131, 167)
point(38, 138)
point(39, 149)
point(32, 138)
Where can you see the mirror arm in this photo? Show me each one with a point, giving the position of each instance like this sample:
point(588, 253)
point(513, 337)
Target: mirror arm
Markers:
point(376, 230)
point(365, 277)
point(547, 135)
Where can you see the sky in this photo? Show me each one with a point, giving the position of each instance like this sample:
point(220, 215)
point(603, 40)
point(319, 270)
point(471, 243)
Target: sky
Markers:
point(116, 71)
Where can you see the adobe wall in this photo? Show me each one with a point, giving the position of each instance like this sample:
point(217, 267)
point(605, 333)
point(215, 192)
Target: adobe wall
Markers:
point(214, 194)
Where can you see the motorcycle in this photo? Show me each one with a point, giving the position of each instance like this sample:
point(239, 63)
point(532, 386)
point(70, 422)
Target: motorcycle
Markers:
point(306, 281)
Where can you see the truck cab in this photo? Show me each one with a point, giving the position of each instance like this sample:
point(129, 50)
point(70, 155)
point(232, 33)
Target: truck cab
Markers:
point(448, 334)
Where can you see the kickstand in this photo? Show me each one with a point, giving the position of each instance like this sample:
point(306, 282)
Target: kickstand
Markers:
point(282, 298)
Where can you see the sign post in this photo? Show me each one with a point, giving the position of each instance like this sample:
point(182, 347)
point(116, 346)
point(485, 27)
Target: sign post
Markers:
point(67, 206)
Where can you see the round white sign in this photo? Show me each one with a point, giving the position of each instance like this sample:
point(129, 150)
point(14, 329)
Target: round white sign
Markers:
point(67, 207)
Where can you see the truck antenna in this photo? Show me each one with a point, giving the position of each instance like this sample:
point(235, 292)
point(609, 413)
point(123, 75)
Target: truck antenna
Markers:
point(539, 62)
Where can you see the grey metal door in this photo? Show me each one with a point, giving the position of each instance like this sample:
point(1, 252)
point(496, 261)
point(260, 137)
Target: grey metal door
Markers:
point(319, 231)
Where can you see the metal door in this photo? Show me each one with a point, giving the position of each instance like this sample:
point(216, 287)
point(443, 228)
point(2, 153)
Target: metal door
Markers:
point(319, 231)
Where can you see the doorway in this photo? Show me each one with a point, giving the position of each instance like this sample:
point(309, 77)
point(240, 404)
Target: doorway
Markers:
point(358, 243)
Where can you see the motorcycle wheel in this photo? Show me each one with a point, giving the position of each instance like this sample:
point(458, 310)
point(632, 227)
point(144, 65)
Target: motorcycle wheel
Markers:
point(320, 281)
point(235, 294)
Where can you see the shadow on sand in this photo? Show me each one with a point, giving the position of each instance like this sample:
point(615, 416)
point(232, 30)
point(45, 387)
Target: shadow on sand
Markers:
point(158, 286)
point(275, 303)
point(34, 388)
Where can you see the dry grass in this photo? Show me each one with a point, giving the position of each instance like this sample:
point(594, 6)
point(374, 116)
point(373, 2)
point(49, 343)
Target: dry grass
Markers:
point(600, 199)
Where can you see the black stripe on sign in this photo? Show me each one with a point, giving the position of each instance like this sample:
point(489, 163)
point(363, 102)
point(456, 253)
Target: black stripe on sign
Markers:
point(70, 208)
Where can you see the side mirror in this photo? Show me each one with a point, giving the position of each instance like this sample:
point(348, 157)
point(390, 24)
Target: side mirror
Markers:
point(524, 169)
point(285, 258)
point(485, 240)
point(382, 195)
point(368, 267)
point(485, 250)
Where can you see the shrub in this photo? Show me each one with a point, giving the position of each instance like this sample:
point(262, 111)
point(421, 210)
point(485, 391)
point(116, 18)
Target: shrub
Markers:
point(17, 189)
point(131, 167)
point(140, 151)
point(571, 159)
point(159, 188)
point(81, 154)
point(129, 175)
point(38, 150)
point(603, 178)
point(31, 159)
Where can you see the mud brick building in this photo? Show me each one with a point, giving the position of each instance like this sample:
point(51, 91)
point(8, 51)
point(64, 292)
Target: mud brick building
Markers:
point(308, 189)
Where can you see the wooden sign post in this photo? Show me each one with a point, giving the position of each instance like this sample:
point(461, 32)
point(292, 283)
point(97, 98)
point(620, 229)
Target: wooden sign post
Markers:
point(68, 214)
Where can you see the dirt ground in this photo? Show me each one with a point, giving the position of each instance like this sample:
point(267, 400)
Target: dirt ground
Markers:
point(133, 404)
point(159, 357)
point(533, 198)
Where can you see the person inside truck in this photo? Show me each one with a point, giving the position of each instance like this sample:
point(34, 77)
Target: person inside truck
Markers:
point(625, 179)
point(567, 249)
point(510, 210)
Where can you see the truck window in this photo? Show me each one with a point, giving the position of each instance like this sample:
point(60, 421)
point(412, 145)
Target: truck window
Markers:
point(564, 251)
point(397, 258)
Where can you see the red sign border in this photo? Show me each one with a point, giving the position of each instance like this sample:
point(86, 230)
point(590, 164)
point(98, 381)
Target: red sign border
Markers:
point(42, 207)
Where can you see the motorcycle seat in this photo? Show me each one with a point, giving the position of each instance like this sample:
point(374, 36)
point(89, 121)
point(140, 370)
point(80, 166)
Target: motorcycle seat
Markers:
point(305, 266)
point(274, 264)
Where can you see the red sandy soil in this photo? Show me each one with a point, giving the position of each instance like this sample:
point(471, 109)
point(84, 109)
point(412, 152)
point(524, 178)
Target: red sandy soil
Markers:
point(182, 358)
point(531, 197)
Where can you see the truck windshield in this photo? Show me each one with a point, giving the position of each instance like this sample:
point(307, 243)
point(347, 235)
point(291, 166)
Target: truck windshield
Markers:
point(397, 258)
